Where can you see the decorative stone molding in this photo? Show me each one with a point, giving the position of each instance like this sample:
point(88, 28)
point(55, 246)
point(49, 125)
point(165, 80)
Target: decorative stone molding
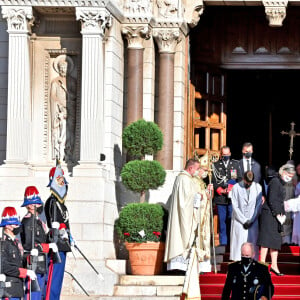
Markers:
point(193, 11)
point(275, 11)
point(137, 7)
point(99, 3)
point(167, 8)
point(167, 39)
point(93, 20)
point(135, 35)
point(19, 19)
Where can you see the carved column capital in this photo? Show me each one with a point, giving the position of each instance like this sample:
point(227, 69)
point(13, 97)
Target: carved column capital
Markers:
point(93, 20)
point(193, 11)
point(275, 11)
point(19, 18)
point(167, 39)
point(136, 34)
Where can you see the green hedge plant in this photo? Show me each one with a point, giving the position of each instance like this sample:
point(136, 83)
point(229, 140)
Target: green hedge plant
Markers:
point(142, 138)
point(141, 222)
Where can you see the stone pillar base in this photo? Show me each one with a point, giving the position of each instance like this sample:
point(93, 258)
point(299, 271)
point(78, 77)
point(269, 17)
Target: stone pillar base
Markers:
point(87, 169)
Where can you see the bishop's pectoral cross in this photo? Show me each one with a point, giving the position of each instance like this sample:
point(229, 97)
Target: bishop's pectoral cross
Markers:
point(292, 134)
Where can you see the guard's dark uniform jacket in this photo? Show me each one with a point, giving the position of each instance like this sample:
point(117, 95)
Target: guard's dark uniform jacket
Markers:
point(40, 241)
point(12, 267)
point(220, 172)
point(56, 211)
point(247, 285)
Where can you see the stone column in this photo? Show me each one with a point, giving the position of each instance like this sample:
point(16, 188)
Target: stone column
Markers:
point(19, 21)
point(166, 40)
point(135, 36)
point(94, 22)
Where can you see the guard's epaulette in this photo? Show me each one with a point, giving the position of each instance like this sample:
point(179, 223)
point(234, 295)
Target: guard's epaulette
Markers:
point(235, 160)
point(231, 262)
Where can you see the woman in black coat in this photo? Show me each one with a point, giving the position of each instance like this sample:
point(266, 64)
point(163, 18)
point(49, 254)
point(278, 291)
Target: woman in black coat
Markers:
point(273, 216)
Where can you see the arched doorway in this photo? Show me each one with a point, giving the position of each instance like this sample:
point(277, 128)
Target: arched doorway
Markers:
point(245, 75)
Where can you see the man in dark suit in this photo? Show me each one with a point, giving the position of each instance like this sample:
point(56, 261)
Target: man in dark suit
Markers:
point(248, 279)
point(247, 163)
point(226, 172)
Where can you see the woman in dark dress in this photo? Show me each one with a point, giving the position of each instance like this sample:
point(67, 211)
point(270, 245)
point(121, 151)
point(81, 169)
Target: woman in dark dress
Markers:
point(273, 216)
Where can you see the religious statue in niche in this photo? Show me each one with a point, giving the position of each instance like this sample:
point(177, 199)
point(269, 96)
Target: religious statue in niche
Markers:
point(63, 93)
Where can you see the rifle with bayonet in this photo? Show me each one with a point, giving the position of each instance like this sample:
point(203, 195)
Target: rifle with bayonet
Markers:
point(33, 259)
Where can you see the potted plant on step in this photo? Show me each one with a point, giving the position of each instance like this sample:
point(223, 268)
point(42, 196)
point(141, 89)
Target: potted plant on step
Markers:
point(141, 224)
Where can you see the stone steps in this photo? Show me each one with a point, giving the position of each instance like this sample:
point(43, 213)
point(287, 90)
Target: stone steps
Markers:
point(135, 287)
point(150, 286)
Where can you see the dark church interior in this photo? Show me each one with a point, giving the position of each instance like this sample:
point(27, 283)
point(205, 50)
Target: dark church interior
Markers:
point(260, 105)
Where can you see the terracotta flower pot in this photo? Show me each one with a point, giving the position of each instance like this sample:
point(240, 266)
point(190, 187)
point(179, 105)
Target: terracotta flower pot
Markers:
point(146, 258)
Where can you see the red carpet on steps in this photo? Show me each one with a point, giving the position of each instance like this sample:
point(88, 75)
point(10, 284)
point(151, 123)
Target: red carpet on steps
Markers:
point(286, 287)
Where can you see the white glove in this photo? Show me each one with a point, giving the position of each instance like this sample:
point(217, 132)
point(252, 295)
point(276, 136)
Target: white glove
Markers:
point(55, 225)
point(31, 274)
point(34, 252)
point(63, 234)
point(53, 246)
point(197, 199)
point(281, 218)
point(2, 277)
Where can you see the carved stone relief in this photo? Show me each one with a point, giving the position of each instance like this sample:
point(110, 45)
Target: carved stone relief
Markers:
point(137, 6)
point(167, 8)
point(18, 18)
point(62, 105)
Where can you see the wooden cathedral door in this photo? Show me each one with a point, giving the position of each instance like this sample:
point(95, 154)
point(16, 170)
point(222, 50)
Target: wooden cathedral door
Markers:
point(207, 113)
point(207, 118)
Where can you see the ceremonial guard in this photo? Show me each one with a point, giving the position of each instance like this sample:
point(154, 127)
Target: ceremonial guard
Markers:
point(57, 216)
point(226, 172)
point(248, 279)
point(35, 241)
point(12, 257)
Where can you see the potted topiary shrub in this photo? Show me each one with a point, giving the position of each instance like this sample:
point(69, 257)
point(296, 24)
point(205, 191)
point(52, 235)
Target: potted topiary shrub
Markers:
point(141, 224)
point(142, 138)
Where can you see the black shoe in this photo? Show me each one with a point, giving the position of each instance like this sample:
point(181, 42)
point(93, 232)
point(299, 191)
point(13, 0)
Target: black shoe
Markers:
point(276, 273)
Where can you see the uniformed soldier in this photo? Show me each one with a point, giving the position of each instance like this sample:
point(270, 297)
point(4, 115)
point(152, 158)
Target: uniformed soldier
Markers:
point(35, 240)
point(226, 172)
point(57, 216)
point(248, 279)
point(12, 256)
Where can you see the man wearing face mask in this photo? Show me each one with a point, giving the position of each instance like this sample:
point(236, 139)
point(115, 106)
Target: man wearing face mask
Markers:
point(34, 227)
point(226, 172)
point(273, 216)
point(248, 163)
point(248, 279)
point(246, 205)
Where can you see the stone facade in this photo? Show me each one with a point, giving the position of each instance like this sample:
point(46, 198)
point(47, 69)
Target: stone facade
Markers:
point(101, 37)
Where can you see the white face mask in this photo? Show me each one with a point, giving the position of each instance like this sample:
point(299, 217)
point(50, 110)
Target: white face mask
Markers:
point(196, 173)
point(286, 178)
point(204, 174)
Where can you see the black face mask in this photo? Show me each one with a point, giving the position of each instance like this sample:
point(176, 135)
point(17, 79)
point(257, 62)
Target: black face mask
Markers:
point(226, 157)
point(16, 230)
point(39, 209)
point(247, 185)
point(246, 260)
point(248, 154)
